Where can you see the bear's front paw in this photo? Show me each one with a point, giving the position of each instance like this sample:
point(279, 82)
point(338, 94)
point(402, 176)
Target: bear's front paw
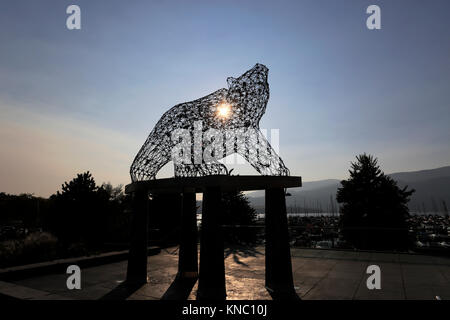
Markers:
point(283, 171)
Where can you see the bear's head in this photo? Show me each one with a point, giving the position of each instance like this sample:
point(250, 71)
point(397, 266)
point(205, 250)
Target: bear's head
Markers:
point(250, 93)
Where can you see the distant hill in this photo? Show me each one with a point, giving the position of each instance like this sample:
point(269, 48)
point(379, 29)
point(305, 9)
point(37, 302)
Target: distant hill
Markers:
point(422, 174)
point(432, 193)
point(432, 188)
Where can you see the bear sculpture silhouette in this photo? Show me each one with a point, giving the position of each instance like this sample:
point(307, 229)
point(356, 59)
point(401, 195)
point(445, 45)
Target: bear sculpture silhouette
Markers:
point(237, 109)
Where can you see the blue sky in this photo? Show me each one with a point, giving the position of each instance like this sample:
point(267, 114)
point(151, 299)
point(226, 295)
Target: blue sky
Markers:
point(72, 101)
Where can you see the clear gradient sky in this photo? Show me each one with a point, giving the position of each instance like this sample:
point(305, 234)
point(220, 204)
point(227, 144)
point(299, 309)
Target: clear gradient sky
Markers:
point(72, 101)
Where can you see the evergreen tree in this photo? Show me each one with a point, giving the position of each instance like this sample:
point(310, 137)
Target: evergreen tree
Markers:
point(373, 208)
point(238, 218)
point(80, 212)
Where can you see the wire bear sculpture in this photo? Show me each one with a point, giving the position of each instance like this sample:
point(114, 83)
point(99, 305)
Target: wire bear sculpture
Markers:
point(237, 109)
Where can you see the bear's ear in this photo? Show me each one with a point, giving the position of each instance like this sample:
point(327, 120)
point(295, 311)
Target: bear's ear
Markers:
point(230, 81)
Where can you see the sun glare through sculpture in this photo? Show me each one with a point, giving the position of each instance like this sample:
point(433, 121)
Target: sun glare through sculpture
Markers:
point(224, 110)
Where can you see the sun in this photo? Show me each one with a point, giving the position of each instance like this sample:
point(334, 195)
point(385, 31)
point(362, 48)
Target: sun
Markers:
point(224, 110)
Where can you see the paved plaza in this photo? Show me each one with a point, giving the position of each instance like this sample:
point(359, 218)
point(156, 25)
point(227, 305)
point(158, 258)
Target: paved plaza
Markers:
point(318, 274)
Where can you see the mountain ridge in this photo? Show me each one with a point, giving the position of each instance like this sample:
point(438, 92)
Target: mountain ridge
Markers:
point(432, 192)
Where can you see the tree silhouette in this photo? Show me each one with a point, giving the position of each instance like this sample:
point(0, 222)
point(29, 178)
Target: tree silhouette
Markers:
point(79, 188)
point(238, 218)
point(237, 209)
point(115, 193)
point(80, 212)
point(374, 209)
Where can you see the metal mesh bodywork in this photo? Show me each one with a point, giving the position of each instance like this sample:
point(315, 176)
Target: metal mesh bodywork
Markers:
point(233, 116)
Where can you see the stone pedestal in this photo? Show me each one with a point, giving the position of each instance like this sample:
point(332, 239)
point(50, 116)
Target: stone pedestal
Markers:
point(187, 261)
point(211, 275)
point(137, 260)
point(211, 285)
point(279, 279)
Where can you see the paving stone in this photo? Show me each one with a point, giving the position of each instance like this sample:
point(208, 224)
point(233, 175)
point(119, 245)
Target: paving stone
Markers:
point(418, 275)
point(318, 274)
point(382, 294)
point(333, 289)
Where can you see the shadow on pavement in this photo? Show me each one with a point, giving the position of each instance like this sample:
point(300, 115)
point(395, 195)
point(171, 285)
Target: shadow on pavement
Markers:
point(281, 296)
point(122, 291)
point(180, 289)
point(239, 251)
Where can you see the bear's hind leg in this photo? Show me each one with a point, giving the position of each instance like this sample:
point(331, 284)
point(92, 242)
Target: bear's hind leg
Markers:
point(260, 155)
point(150, 160)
